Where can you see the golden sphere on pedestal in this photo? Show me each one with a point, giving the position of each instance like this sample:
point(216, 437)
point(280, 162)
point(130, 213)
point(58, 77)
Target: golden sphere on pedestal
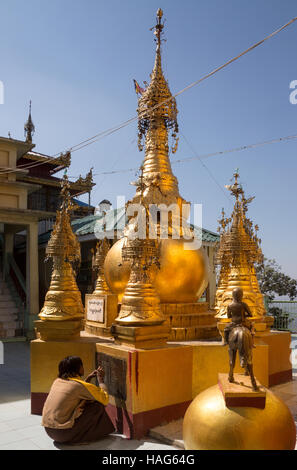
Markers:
point(182, 278)
point(210, 425)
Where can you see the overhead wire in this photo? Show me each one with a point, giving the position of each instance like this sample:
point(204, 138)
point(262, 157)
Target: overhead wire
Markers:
point(191, 85)
point(196, 156)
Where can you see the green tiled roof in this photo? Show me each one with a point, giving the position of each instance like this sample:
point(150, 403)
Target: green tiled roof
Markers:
point(116, 219)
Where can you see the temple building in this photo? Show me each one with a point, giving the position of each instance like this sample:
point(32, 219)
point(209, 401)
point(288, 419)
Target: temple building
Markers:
point(29, 198)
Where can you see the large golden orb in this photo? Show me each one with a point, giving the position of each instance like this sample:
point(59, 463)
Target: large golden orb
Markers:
point(210, 425)
point(182, 278)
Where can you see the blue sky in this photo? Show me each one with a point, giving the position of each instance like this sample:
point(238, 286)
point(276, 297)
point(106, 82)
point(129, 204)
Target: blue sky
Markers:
point(76, 60)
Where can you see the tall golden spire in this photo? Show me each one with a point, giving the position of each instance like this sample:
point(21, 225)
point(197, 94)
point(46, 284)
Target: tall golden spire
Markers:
point(157, 114)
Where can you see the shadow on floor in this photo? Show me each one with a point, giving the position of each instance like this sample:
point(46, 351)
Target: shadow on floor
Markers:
point(15, 372)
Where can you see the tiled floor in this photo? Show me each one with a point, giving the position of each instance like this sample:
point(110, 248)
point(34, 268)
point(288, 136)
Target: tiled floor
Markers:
point(19, 430)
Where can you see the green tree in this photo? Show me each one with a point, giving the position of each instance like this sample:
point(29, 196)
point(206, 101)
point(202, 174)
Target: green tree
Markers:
point(272, 281)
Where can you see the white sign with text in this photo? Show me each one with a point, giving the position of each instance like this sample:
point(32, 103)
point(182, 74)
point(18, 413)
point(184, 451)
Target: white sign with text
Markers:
point(95, 310)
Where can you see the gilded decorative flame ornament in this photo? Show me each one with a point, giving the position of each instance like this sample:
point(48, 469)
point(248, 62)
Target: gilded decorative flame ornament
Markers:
point(64, 159)
point(183, 272)
point(63, 299)
point(141, 303)
point(98, 264)
point(86, 181)
point(238, 252)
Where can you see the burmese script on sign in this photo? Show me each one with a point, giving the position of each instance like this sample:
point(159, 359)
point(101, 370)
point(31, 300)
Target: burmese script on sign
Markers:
point(95, 310)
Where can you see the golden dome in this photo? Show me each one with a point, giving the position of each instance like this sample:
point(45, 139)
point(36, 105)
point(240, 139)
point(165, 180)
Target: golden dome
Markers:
point(183, 275)
point(210, 425)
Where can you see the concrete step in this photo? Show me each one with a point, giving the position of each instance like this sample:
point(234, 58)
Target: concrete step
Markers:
point(3, 284)
point(7, 325)
point(5, 297)
point(4, 290)
point(10, 333)
point(4, 318)
point(7, 304)
point(8, 310)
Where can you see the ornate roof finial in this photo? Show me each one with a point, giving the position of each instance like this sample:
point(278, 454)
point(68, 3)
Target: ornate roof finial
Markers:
point(29, 127)
point(87, 180)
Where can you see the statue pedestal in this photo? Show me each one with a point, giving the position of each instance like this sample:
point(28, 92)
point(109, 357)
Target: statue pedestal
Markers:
point(240, 392)
point(58, 330)
point(100, 313)
point(144, 337)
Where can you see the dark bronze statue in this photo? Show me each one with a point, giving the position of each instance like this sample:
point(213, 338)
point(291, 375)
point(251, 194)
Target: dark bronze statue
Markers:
point(239, 337)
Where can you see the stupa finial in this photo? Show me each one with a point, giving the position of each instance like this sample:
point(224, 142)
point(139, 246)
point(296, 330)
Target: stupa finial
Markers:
point(29, 127)
point(63, 241)
point(159, 28)
point(156, 105)
point(235, 188)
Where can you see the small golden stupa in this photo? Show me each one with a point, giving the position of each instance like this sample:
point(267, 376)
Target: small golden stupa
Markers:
point(102, 248)
point(140, 308)
point(238, 252)
point(62, 312)
point(140, 302)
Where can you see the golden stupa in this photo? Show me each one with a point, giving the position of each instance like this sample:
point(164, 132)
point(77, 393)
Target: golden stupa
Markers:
point(102, 248)
point(183, 273)
point(62, 313)
point(237, 255)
